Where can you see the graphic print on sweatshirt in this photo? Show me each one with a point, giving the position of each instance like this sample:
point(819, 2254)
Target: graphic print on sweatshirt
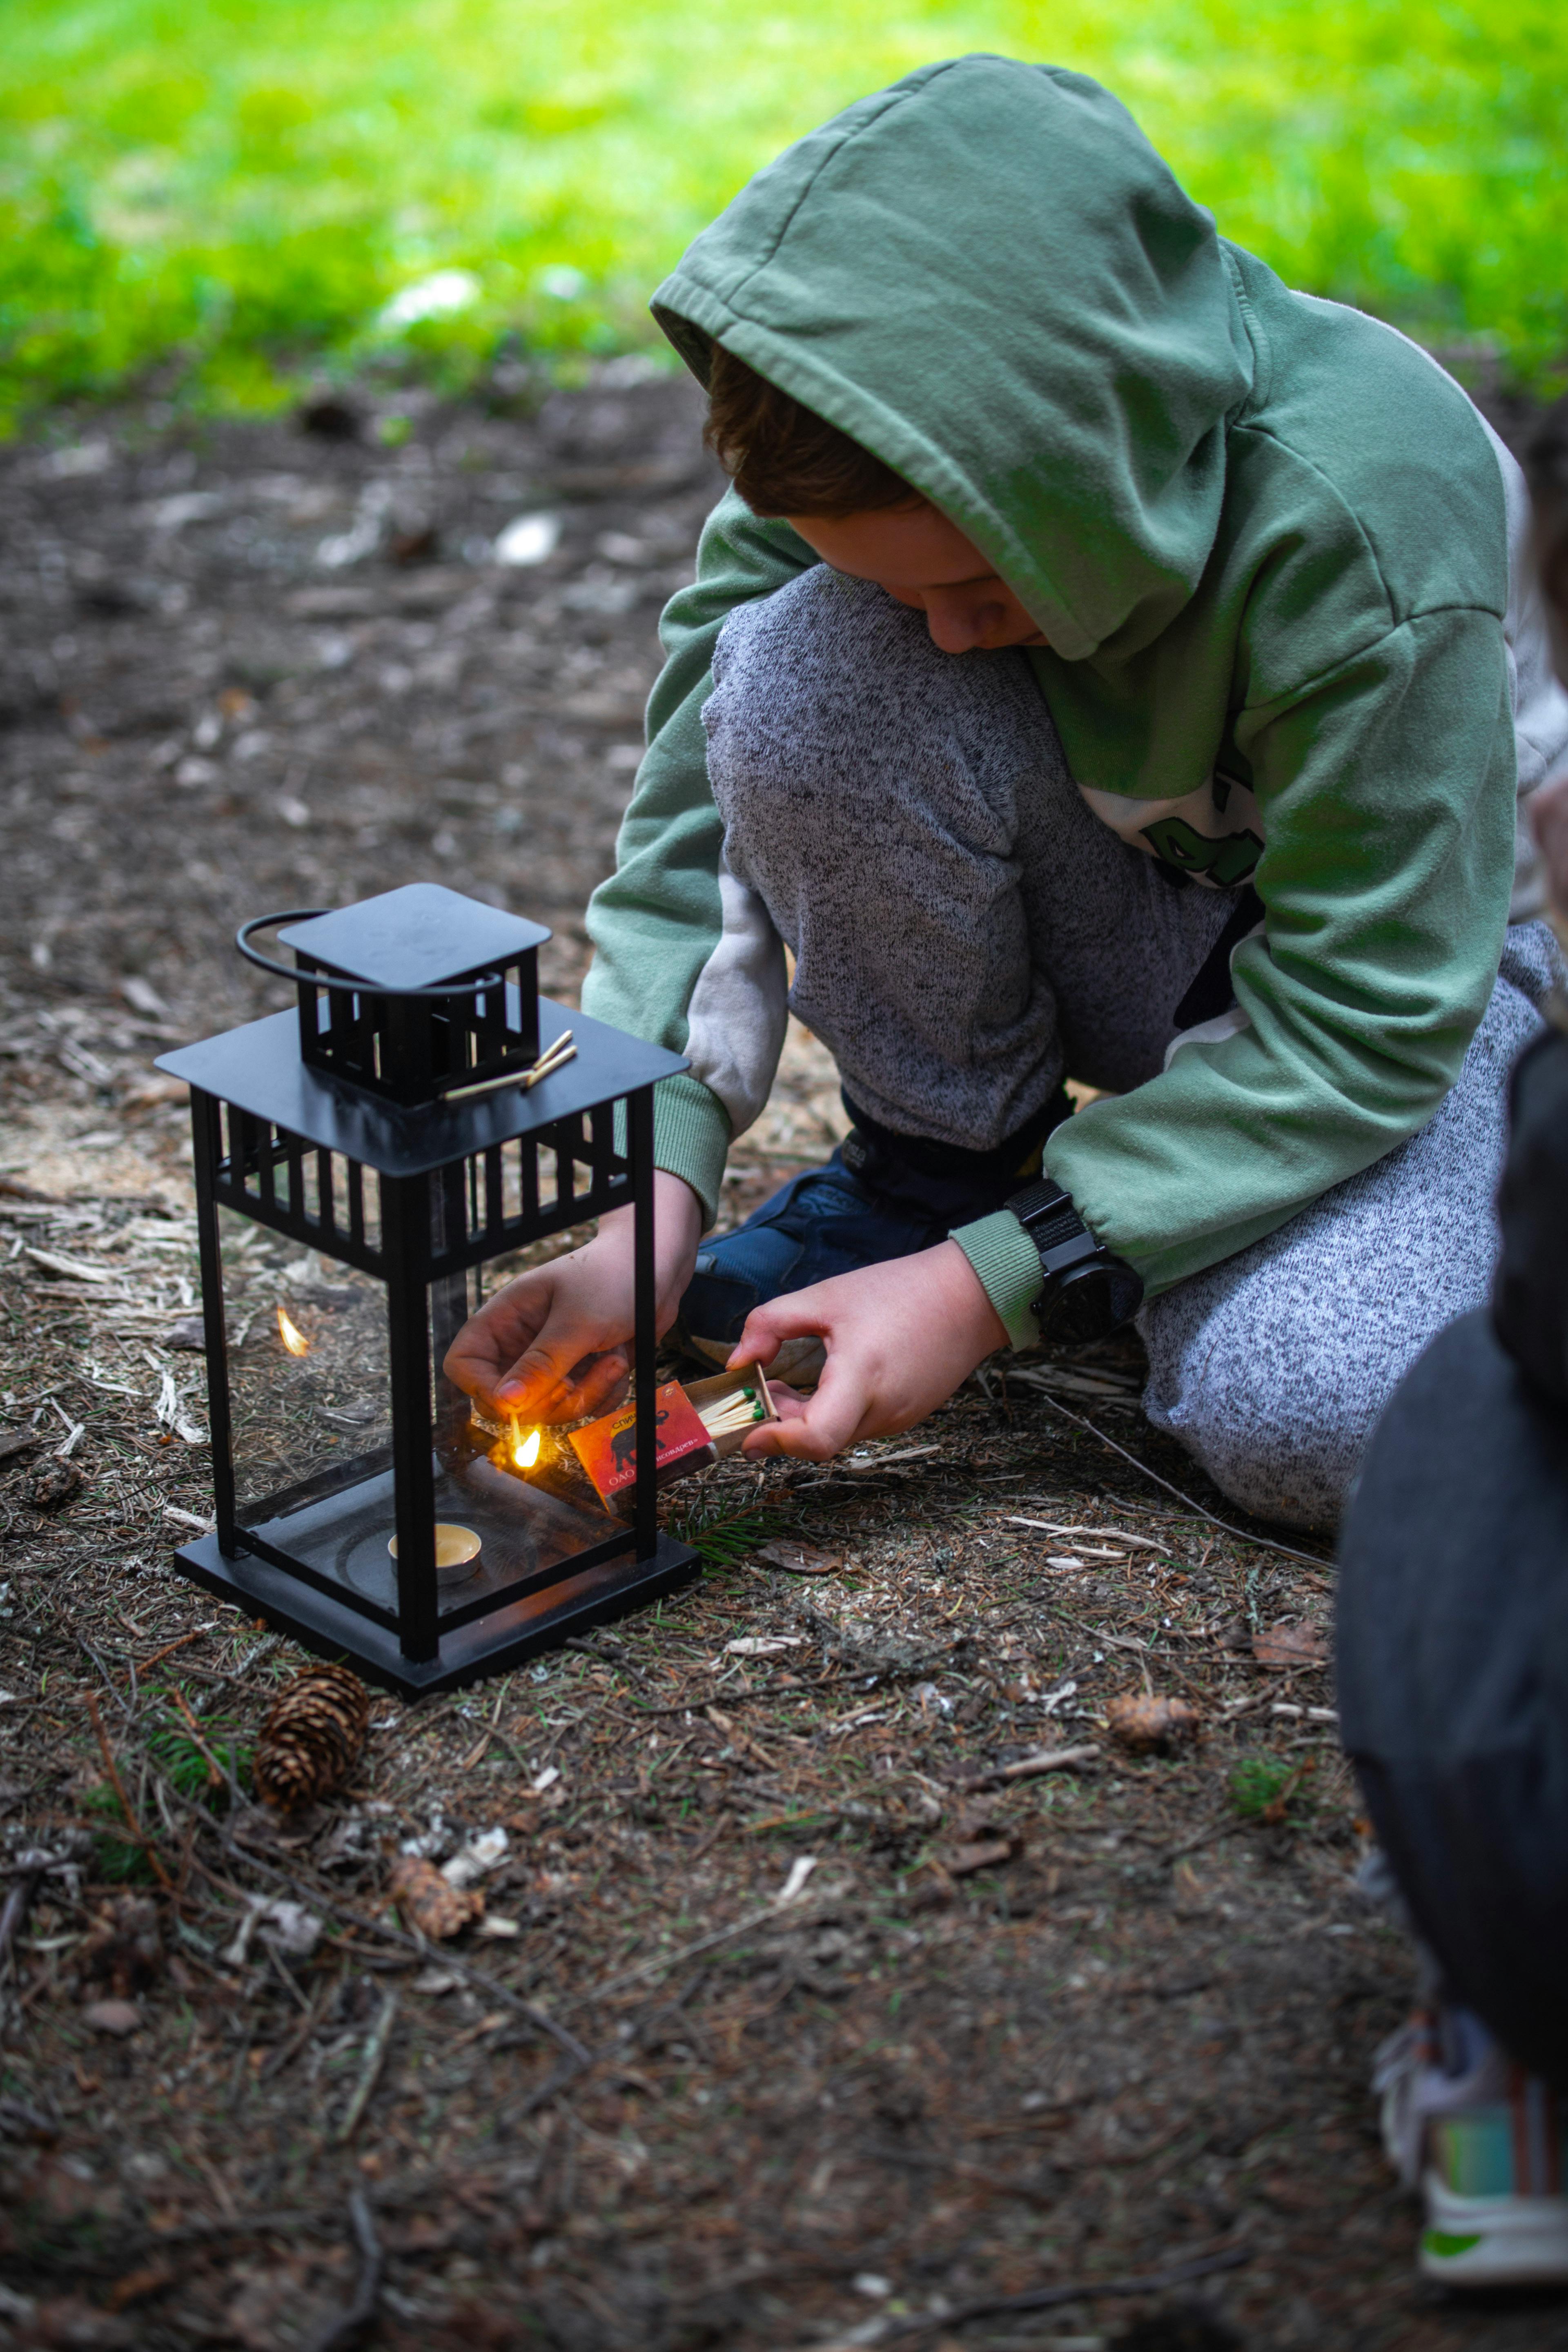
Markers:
point(1215, 834)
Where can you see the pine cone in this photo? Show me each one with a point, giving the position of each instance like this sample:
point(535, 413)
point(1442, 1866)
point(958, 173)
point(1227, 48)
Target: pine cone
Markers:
point(54, 1484)
point(429, 1903)
point(313, 1736)
point(1150, 1726)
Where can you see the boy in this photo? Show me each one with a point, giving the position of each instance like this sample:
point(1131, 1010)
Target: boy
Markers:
point(1103, 665)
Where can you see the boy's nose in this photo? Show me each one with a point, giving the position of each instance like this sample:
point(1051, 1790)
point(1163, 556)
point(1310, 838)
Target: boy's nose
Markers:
point(958, 625)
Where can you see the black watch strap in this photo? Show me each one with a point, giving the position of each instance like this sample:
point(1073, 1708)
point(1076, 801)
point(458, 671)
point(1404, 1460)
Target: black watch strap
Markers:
point(1087, 1290)
point(1046, 1212)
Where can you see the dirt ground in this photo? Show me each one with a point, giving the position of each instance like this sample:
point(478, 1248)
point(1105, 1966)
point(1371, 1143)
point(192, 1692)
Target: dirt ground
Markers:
point(794, 2018)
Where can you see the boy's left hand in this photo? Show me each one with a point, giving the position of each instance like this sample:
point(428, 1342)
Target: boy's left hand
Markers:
point(901, 1336)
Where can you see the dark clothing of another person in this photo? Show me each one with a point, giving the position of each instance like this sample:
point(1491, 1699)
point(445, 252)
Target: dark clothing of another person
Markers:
point(1452, 1613)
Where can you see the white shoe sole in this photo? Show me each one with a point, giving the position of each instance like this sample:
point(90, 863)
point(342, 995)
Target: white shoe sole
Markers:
point(1493, 2241)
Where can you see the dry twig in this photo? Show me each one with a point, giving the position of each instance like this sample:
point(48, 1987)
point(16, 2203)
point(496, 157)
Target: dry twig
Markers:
point(1263, 1543)
point(764, 1918)
point(1029, 1767)
point(1051, 2298)
point(350, 2323)
point(17, 1904)
point(361, 1923)
point(374, 2059)
point(491, 1987)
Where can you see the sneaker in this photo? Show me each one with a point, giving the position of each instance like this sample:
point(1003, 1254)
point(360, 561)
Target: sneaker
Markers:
point(1488, 2146)
point(881, 1196)
point(1498, 2240)
point(823, 1223)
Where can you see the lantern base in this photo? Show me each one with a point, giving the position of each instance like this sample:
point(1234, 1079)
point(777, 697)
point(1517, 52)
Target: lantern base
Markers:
point(487, 1645)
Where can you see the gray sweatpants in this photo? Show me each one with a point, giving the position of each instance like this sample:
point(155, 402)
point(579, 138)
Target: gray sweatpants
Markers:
point(966, 933)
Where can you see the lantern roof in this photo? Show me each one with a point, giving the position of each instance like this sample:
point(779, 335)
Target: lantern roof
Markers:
point(414, 937)
point(259, 1068)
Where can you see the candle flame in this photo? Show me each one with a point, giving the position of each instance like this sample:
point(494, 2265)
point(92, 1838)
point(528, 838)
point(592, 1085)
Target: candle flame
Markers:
point(525, 1450)
point(293, 1338)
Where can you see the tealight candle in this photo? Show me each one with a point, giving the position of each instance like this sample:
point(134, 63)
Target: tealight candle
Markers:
point(457, 1549)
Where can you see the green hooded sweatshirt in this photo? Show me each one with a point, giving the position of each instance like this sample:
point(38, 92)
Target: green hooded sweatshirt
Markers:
point(1266, 540)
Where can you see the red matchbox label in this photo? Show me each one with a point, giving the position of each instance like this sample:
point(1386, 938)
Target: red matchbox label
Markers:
point(607, 1449)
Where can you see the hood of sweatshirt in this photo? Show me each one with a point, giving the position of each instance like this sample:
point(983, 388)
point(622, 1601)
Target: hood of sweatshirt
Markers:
point(987, 276)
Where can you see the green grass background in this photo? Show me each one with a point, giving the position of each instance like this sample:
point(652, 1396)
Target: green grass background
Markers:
point(225, 193)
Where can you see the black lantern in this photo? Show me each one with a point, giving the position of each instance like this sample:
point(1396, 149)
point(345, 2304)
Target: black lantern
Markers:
point(359, 1164)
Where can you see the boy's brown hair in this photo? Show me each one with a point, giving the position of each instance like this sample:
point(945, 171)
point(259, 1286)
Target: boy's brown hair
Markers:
point(783, 457)
point(1546, 463)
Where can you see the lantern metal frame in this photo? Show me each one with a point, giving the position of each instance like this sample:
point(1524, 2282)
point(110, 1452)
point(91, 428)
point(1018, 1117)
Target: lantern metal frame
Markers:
point(287, 1142)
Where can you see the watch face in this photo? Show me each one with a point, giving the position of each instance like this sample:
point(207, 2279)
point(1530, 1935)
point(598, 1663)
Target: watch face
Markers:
point(1093, 1301)
point(1083, 1308)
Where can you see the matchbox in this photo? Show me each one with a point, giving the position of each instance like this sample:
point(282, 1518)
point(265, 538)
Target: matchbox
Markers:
point(720, 1404)
point(607, 1448)
point(695, 1425)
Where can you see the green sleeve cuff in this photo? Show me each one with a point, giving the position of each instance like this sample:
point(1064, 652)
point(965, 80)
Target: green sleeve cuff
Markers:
point(691, 1138)
point(1008, 1265)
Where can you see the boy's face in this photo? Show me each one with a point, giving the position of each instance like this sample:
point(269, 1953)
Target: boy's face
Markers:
point(918, 556)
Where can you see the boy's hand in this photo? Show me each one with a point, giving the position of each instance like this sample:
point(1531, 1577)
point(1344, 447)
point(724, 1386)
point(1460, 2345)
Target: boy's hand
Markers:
point(552, 1344)
point(900, 1337)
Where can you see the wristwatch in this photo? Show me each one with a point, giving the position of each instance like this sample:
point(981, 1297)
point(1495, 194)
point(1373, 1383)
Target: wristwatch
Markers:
point(1089, 1291)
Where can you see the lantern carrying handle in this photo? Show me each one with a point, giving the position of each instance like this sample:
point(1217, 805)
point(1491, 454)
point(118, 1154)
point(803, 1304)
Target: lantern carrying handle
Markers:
point(487, 979)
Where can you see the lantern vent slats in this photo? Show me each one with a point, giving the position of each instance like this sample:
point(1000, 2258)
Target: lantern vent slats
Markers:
point(258, 1155)
point(410, 1048)
point(512, 1193)
point(294, 1162)
point(510, 1198)
point(371, 1209)
point(278, 1178)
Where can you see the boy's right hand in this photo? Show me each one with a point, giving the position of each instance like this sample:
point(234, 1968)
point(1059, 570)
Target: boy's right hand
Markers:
point(555, 1344)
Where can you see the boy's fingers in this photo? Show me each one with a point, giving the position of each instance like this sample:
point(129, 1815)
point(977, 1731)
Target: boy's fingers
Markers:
point(495, 1337)
point(507, 1323)
point(545, 1368)
point(473, 1360)
point(791, 1407)
point(795, 1316)
point(595, 1385)
point(831, 1419)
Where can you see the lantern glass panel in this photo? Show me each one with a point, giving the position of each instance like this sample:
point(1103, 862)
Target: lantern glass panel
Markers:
point(309, 1392)
point(518, 1487)
point(312, 1440)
